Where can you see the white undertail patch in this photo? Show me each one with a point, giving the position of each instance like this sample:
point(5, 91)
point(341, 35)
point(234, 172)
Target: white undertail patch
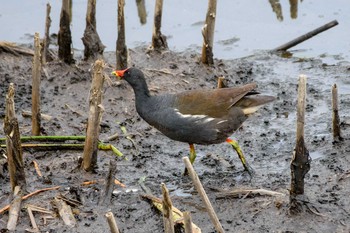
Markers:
point(248, 111)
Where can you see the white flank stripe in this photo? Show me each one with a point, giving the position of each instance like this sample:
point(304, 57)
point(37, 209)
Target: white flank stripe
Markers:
point(194, 117)
point(209, 119)
point(221, 122)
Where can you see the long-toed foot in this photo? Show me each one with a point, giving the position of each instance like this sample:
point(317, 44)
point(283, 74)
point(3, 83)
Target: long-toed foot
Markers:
point(237, 148)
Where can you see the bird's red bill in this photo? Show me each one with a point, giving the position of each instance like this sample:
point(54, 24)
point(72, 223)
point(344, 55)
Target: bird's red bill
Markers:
point(119, 73)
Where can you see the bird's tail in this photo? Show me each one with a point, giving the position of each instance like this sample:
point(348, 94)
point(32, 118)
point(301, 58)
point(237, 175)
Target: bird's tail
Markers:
point(252, 103)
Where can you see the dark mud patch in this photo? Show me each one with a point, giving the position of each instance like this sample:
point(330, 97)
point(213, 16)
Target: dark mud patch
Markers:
point(267, 138)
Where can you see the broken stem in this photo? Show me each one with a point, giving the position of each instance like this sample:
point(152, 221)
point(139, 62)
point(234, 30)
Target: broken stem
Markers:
point(15, 208)
point(101, 146)
point(121, 51)
point(208, 34)
point(300, 164)
point(167, 211)
point(335, 114)
point(36, 76)
point(95, 116)
point(112, 223)
point(203, 195)
point(49, 138)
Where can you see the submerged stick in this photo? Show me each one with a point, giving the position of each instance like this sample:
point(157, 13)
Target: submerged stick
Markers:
point(36, 76)
point(42, 116)
point(14, 49)
point(46, 42)
point(50, 146)
point(13, 143)
point(335, 115)
point(32, 220)
point(305, 37)
point(122, 50)
point(49, 138)
point(7, 207)
point(167, 211)
point(65, 212)
point(15, 208)
point(112, 223)
point(238, 193)
point(208, 34)
point(69, 146)
point(106, 194)
point(300, 164)
point(158, 39)
point(64, 34)
point(194, 177)
point(95, 115)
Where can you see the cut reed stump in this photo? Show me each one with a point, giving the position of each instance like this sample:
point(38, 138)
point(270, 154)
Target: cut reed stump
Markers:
point(208, 34)
point(95, 115)
point(221, 83)
point(167, 211)
point(300, 164)
point(36, 76)
point(335, 115)
point(158, 39)
point(46, 42)
point(64, 34)
point(13, 143)
point(122, 50)
point(92, 43)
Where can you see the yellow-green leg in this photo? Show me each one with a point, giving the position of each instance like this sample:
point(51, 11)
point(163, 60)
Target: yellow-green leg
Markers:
point(192, 153)
point(237, 148)
point(192, 157)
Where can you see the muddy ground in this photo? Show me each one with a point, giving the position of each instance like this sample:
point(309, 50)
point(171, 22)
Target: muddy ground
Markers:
point(267, 139)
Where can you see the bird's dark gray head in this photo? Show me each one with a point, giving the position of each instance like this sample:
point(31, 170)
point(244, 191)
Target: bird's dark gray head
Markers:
point(135, 78)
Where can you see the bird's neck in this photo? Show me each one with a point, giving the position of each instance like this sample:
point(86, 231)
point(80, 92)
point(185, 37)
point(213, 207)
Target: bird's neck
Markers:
point(141, 93)
point(143, 102)
point(140, 88)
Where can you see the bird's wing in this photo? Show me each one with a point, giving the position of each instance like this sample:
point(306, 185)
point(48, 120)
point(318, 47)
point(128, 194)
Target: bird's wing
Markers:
point(213, 103)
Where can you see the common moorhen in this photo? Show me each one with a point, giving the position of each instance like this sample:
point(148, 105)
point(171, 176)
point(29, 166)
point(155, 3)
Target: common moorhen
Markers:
point(196, 116)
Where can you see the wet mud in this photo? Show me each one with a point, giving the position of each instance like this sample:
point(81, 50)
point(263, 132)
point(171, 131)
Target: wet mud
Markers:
point(267, 139)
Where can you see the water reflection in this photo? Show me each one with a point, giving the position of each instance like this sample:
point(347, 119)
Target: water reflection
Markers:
point(141, 10)
point(275, 5)
point(236, 29)
point(277, 8)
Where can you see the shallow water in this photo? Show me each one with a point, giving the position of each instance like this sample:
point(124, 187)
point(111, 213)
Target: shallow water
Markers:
point(242, 26)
